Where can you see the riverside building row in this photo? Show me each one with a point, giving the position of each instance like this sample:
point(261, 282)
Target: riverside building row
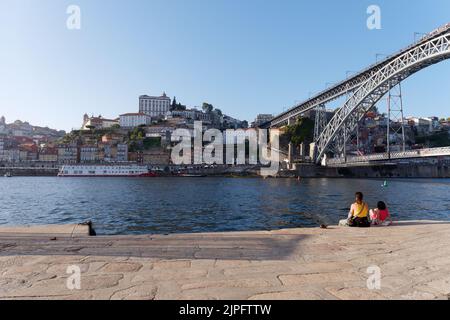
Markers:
point(62, 153)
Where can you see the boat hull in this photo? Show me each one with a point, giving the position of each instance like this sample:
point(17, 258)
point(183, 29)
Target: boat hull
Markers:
point(105, 171)
point(145, 175)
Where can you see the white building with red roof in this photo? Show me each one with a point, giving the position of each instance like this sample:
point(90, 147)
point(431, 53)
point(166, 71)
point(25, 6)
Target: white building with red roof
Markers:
point(133, 120)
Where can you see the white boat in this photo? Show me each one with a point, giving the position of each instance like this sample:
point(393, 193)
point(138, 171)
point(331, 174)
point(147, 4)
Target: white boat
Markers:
point(8, 175)
point(112, 170)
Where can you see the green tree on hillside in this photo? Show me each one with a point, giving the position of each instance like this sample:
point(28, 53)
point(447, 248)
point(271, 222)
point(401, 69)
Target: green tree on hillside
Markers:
point(218, 112)
point(300, 132)
point(137, 134)
point(207, 108)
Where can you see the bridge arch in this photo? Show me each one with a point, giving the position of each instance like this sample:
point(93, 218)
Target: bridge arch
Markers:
point(345, 120)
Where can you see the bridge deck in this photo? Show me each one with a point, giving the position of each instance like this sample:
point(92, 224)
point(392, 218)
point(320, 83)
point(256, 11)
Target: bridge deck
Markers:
point(411, 154)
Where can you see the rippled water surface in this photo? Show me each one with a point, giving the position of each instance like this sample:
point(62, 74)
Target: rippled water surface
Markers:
point(173, 205)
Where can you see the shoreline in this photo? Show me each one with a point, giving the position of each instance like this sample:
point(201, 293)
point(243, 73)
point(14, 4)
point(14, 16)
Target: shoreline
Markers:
point(301, 263)
point(304, 171)
point(283, 175)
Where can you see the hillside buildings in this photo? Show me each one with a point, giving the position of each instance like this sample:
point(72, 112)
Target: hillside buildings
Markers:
point(98, 122)
point(261, 119)
point(133, 120)
point(20, 141)
point(68, 153)
point(189, 114)
point(424, 125)
point(121, 153)
point(2, 150)
point(154, 106)
point(48, 154)
point(3, 125)
point(233, 123)
point(89, 154)
point(24, 129)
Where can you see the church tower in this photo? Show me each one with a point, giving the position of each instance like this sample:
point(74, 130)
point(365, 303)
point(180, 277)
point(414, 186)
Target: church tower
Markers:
point(85, 119)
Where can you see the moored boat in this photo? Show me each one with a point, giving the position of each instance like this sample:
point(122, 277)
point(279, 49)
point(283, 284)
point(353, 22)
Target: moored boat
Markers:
point(110, 170)
point(188, 175)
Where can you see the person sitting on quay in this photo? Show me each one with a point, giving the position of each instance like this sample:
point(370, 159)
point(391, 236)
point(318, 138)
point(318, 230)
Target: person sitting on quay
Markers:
point(380, 215)
point(358, 215)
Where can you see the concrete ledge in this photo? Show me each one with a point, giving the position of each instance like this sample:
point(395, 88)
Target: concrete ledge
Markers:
point(68, 230)
point(418, 222)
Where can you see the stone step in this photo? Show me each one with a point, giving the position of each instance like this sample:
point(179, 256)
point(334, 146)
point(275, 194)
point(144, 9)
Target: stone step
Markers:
point(67, 230)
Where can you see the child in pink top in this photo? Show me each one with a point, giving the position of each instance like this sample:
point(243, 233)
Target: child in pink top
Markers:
point(380, 215)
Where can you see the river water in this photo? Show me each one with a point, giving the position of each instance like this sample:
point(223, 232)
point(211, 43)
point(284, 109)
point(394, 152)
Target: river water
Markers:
point(174, 205)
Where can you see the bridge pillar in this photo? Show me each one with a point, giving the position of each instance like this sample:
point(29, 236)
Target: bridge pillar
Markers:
point(290, 153)
point(312, 151)
point(302, 151)
point(320, 120)
point(290, 147)
point(395, 116)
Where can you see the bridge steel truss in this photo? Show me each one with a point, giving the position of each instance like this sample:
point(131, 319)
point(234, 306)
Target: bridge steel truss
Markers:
point(395, 125)
point(347, 86)
point(346, 119)
point(320, 120)
point(329, 95)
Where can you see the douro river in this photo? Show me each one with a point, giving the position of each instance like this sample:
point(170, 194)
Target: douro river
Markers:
point(174, 205)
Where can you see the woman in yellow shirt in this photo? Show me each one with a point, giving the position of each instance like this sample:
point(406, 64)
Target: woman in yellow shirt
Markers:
point(359, 211)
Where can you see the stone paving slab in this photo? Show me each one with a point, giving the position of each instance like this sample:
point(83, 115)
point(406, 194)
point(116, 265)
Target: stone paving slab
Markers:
point(413, 259)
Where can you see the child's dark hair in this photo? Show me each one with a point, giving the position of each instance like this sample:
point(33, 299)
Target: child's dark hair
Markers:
point(381, 205)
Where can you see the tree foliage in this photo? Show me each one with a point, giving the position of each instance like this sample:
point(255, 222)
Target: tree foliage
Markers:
point(301, 131)
point(207, 107)
point(435, 140)
point(151, 142)
point(177, 106)
point(137, 134)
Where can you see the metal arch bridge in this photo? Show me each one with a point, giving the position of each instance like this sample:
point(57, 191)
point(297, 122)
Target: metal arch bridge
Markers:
point(366, 88)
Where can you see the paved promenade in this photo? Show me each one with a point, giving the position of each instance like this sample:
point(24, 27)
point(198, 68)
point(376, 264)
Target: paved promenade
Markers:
point(413, 257)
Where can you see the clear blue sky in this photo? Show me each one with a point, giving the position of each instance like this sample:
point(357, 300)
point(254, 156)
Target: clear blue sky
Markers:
point(244, 57)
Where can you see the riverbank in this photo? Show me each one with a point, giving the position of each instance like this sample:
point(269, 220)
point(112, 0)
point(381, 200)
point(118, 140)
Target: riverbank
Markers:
point(221, 171)
point(387, 170)
point(432, 170)
point(308, 263)
point(29, 172)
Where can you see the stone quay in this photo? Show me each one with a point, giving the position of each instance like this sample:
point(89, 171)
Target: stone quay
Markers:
point(411, 260)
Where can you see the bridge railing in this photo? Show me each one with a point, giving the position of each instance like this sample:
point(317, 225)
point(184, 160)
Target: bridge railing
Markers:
point(421, 153)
